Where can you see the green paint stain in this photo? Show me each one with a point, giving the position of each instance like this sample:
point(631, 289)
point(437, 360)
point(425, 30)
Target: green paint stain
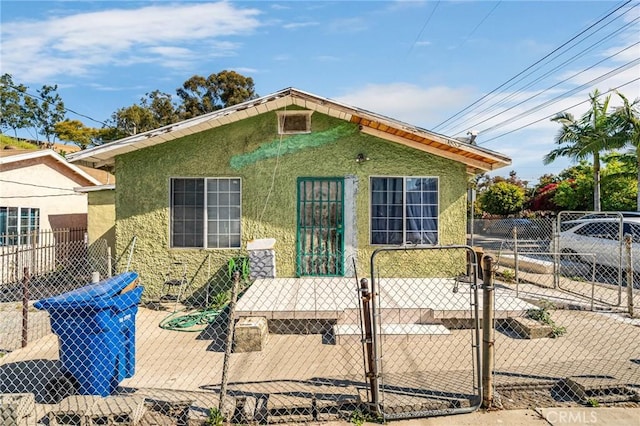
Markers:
point(290, 145)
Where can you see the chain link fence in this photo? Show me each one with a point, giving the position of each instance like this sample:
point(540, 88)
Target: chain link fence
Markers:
point(193, 345)
point(578, 343)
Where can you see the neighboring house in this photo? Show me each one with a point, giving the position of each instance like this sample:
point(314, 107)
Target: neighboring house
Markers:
point(36, 197)
point(37, 191)
point(329, 182)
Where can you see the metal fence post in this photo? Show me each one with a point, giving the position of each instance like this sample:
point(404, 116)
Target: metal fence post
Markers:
point(554, 250)
point(25, 306)
point(487, 332)
point(516, 261)
point(629, 258)
point(227, 352)
point(109, 265)
point(372, 371)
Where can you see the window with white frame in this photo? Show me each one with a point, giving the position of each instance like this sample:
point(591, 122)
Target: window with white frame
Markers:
point(205, 212)
point(16, 223)
point(404, 210)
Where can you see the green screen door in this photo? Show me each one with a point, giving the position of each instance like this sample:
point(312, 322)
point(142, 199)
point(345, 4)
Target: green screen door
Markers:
point(320, 241)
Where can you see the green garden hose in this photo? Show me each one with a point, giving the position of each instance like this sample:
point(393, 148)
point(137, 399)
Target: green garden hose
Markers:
point(191, 322)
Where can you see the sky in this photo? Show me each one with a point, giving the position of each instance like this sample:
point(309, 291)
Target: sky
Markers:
point(498, 68)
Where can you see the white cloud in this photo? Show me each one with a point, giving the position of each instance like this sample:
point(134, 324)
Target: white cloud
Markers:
point(79, 43)
point(606, 76)
point(348, 25)
point(296, 25)
point(326, 58)
point(245, 70)
point(409, 102)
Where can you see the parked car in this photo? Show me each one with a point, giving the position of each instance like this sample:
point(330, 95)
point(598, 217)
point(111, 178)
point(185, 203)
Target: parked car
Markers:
point(601, 240)
point(573, 221)
point(526, 228)
point(602, 215)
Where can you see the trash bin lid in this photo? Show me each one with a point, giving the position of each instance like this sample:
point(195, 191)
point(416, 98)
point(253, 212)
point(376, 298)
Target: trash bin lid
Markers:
point(93, 295)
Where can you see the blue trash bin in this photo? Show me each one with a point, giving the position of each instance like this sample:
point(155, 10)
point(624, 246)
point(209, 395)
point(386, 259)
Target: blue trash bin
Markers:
point(96, 329)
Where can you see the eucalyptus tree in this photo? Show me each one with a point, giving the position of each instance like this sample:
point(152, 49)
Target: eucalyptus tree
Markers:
point(13, 112)
point(45, 110)
point(201, 95)
point(588, 136)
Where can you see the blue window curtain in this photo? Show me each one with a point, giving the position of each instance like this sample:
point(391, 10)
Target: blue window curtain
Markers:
point(386, 211)
point(404, 210)
point(421, 211)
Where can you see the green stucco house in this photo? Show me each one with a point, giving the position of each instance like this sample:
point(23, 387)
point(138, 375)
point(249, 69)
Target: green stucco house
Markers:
point(329, 183)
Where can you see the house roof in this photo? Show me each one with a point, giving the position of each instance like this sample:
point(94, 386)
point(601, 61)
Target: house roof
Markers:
point(28, 156)
point(476, 158)
point(96, 188)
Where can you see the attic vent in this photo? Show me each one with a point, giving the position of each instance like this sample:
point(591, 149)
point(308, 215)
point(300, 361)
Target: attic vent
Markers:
point(294, 122)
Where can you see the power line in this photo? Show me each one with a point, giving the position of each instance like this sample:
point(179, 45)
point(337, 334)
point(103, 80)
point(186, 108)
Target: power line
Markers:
point(478, 25)
point(552, 101)
point(532, 65)
point(554, 114)
point(424, 26)
point(549, 88)
point(490, 95)
point(65, 108)
point(495, 105)
point(36, 185)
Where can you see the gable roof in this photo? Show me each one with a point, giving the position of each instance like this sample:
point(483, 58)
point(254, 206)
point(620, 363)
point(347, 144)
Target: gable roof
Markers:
point(14, 156)
point(476, 158)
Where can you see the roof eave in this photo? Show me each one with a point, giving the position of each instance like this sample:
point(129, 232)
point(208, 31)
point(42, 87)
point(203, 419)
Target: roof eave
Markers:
point(471, 155)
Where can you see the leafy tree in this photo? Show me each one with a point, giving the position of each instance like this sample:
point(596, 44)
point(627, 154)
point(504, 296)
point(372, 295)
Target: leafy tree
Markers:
point(503, 198)
point(619, 185)
point(626, 119)
point(542, 199)
point(575, 189)
point(14, 115)
point(76, 132)
point(45, 111)
point(201, 95)
point(133, 119)
point(162, 108)
point(588, 136)
point(234, 88)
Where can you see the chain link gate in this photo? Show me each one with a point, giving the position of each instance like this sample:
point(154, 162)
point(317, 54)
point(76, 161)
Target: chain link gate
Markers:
point(426, 331)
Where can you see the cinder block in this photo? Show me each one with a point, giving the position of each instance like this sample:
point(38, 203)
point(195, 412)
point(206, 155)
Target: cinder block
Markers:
point(250, 334)
point(529, 328)
point(89, 410)
point(17, 409)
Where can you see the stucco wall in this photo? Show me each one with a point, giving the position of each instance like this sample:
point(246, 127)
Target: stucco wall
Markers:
point(102, 217)
point(269, 166)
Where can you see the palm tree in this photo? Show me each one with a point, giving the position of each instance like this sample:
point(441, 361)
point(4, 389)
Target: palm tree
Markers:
point(588, 136)
point(626, 120)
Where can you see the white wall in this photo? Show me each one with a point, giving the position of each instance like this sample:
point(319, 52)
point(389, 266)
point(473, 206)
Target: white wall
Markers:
point(41, 186)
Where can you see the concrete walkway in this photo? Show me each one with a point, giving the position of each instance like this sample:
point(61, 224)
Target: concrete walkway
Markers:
point(537, 417)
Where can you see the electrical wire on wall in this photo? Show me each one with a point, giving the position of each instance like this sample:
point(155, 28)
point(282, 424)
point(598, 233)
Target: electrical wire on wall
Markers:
point(273, 174)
